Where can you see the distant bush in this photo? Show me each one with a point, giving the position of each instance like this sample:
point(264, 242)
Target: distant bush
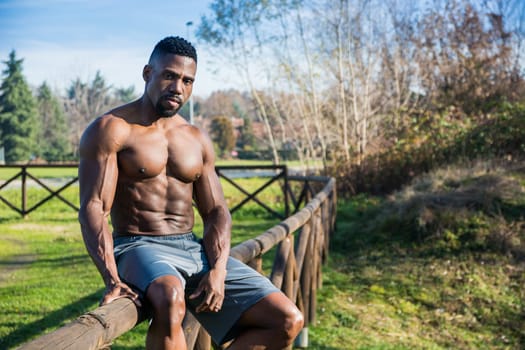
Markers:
point(476, 208)
point(434, 140)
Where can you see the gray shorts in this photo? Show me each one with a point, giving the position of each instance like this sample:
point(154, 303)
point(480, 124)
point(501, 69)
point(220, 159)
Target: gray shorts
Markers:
point(142, 259)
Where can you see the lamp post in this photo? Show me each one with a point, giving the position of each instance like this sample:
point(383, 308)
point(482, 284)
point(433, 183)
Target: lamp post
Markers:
point(188, 25)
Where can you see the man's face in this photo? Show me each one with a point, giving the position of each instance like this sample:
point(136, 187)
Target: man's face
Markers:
point(169, 82)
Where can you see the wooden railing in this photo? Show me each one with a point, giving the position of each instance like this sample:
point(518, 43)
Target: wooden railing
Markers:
point(23, 175)
point(277, 172)
point(25, 178)
point(302, 242)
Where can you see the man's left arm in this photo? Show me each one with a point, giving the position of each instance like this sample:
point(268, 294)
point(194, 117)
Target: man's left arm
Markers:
point(209, 198)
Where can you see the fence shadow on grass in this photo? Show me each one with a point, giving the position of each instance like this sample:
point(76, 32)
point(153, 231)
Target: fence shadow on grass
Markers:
point(52, 320)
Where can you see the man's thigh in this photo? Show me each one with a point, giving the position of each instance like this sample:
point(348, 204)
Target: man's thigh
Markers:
point(244, 288)
point(269, 312)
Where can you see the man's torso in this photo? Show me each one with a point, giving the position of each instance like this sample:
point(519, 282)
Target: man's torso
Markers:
point(157, 166)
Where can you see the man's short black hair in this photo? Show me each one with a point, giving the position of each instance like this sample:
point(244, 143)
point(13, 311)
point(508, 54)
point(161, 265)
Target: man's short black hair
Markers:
point(174, 45)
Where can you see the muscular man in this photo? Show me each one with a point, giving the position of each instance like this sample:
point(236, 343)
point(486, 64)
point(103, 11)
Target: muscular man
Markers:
point(144, 164)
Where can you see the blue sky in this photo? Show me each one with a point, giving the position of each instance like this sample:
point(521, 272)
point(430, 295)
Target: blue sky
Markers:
point(61, 40)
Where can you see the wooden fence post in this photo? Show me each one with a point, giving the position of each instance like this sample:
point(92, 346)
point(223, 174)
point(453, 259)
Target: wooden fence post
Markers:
point(279, 265)
point(289, 275)
point(256, 263)
point(306, 275)
point(24, 191)
point(314, 267)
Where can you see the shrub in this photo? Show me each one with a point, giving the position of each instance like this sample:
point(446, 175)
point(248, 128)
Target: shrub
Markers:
point(431, 141)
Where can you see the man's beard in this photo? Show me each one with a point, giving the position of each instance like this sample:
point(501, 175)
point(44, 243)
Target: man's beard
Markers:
point(167, 112)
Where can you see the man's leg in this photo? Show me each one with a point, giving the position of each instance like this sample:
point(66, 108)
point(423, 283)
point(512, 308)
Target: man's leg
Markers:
point(272, 323)
point(166, 297)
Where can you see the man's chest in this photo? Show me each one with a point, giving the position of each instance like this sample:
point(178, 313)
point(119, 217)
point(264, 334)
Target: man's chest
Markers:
point(149, 153)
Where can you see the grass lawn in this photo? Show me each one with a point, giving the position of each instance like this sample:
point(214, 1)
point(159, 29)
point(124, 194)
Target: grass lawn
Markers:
point(47, 279)
point(439, 265)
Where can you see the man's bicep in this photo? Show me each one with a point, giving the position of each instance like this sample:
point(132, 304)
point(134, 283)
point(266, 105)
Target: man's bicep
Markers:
point(98, 179)
point(98, 170)
point(97, 191)
point(208, 191)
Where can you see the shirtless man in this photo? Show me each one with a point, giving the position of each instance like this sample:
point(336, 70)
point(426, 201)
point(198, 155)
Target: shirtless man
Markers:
point(143, 164)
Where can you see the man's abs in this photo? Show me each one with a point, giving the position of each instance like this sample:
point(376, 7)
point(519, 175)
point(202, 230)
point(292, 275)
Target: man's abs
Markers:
point(156, 171)
point(158, 206)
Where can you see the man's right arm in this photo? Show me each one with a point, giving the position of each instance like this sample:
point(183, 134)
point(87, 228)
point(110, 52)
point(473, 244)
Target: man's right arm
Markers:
point(98, 175)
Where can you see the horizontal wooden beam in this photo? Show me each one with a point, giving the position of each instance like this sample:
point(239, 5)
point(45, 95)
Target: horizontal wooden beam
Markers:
point(93, 330)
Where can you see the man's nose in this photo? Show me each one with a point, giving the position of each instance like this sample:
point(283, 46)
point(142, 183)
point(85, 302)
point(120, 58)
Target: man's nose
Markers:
point(176, 86)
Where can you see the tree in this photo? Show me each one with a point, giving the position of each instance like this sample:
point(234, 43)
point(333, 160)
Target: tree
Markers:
point(246, 140)
point(345, 78)
point(466, 58)
point(234, 26)
point(18, 123)
point(221, 132)
point(84, 102)
point(125, 95)
point(52, 140)
point(230, 103)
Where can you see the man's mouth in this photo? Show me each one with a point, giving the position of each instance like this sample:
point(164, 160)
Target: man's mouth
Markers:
point(174, 99)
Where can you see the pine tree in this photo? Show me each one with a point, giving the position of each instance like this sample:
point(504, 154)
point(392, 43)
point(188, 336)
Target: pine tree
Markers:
point(221, 132)
point(18, 122)
point(125, 95)
point(53, 143)
point(247, 140)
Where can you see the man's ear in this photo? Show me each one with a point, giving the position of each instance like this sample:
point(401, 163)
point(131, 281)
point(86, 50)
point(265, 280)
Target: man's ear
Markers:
point(146, 73)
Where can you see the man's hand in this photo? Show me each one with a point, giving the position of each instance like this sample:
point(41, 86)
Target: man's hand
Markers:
point(212, 285)
point(119, 290)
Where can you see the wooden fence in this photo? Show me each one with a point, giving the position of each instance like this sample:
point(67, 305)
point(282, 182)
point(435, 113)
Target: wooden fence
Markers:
point(301, 240)
point(20, 180)
point(24, 178)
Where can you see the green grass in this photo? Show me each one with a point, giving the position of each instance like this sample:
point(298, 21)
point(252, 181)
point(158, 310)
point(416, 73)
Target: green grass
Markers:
point(59, 285)
point(439, 265)
point(403, 275)
point(46, 277)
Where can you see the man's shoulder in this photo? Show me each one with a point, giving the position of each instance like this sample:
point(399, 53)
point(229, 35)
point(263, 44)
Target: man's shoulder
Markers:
point(107, 131)
point(106, 125)
point(119, 116)
point(111, 119)
point(178, 124)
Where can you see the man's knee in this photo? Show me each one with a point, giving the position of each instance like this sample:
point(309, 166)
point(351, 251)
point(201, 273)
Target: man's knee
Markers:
point(293, 323)
point(288, 321)
point(166, 297)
